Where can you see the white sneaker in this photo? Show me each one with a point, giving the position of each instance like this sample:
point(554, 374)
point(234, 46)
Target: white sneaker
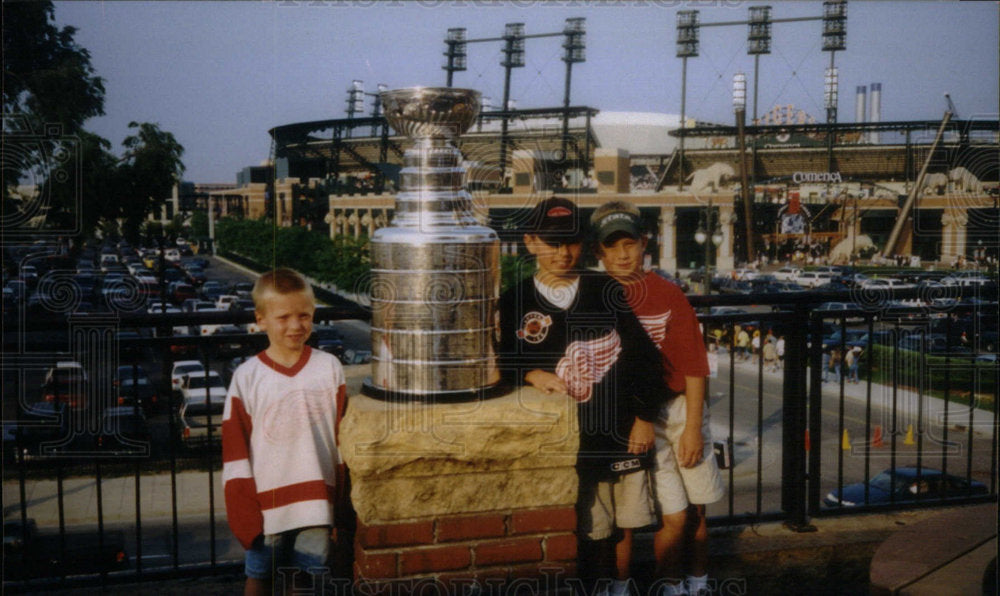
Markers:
point(673, 590)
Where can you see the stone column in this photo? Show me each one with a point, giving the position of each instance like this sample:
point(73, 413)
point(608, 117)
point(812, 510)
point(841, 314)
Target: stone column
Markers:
point(668, 239)
point(724, 258)
point(450, 495)
point(612, 170)
point(953, 238)
point(355, 223)
point(369, 222)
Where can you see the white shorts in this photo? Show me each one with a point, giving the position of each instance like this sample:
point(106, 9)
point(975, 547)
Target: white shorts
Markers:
point(624, 502)
point(673, 486)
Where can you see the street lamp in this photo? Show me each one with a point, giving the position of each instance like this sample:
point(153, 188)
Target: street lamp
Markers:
point(710, 235)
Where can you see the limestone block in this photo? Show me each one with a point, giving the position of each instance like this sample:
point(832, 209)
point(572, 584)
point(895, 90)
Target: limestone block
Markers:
point(412, 459)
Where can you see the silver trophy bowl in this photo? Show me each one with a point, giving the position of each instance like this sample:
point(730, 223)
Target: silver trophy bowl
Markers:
point(435, 269)
point(431, 112)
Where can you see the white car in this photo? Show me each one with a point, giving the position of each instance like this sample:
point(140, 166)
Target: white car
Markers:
point(885, 283)
point(194, 383)
point(812, 279)
point(225, 301)
point(787, 273)
point(172, 254)
point(181, 368)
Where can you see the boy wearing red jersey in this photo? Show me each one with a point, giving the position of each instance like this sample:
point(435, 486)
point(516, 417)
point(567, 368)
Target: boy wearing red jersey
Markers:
point(686, 476)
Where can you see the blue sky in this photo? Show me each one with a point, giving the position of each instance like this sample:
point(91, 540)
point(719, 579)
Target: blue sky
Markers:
point(220, 74)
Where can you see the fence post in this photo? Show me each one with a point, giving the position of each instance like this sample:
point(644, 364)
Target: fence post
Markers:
point(793, 436)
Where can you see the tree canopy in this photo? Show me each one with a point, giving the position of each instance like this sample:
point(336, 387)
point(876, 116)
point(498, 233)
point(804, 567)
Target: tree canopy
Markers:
point(50, 89)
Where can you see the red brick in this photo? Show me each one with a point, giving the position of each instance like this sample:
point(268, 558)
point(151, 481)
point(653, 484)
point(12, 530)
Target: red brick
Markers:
point(468, 527)
point(462, 582)
point(374, 565)
point(534, 521)
point(428, 560)
point(509, 551)
point(560, 548)
point(407, 534)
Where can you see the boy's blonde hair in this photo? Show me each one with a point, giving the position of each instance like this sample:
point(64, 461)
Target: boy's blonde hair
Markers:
point(280, 281)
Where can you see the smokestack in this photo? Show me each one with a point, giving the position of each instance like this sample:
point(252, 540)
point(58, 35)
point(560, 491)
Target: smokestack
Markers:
point(435, 270)
point(876, 109)
point(859, 106)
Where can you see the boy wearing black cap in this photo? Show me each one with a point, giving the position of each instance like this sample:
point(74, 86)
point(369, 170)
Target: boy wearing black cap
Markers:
point(572, 333)
point(686, 476)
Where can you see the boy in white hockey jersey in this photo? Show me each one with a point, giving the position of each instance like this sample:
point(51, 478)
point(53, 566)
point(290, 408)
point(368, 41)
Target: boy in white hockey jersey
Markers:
point(281, 464)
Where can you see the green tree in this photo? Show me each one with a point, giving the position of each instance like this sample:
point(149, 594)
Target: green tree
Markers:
point(49, 90)
point(149, 170)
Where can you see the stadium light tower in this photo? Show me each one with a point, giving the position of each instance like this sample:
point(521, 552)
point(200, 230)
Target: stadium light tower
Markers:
point(575, 51)
point(746, 193)
point(513, 57)
point(687, 47)
point(456, 52)
point(834, 39)
point(355, 100)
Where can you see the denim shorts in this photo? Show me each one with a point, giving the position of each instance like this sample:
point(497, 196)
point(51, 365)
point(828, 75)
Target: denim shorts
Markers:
point(303, 548)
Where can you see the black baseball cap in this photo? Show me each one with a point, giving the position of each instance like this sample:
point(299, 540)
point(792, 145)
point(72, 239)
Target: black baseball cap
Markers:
point(556, 219)
point(616, 221)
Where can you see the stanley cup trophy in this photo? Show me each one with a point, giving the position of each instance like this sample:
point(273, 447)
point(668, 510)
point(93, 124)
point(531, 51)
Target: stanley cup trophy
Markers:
point(435, 270)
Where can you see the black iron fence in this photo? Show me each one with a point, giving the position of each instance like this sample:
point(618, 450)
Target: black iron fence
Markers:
point(91, 495)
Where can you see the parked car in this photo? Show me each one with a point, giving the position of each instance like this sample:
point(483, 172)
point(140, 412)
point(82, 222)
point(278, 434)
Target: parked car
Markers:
point(812, 279)
point(195, 383)
point(180, 291)
point(66, 383)
point(211, 290)
point(197, 414)
point(835, 308)
point(885, 283)
point(787, 273)
point(29, 553)
point(139, 392)
point(932, 343)
point(181, 368)
point(904, 485)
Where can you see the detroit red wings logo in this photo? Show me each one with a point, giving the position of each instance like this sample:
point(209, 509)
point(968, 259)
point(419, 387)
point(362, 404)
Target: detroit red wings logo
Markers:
point(586, 363)
point(656, 326)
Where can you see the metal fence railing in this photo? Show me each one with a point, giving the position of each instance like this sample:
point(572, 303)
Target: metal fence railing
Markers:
point(82, 484)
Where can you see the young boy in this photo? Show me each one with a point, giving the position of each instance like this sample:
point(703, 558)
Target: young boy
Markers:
point(279, 440)
point(563, 332)
point(686, 471)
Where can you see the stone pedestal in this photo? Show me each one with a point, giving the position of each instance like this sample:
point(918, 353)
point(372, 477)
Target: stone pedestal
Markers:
point(953, 234)
point(448, 495)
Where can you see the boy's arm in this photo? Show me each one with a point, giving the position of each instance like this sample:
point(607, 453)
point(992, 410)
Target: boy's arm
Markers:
point(545, 381)
point(242, 508)
point(689, 447)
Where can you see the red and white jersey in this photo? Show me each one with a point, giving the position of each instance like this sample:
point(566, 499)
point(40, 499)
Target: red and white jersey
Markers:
point(279, 444)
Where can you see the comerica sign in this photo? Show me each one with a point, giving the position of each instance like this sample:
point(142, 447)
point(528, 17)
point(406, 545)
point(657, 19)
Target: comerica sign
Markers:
point(800, 177)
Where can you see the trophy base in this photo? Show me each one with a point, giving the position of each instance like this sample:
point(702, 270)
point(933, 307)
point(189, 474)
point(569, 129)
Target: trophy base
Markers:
point(436, 397)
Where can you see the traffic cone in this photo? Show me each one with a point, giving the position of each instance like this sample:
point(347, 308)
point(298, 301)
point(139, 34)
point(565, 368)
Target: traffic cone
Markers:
point(807, 440)
point(909, 436)
point(845, 442)
point(877, 436)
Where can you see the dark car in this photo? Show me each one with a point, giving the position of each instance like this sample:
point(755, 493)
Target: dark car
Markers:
point(904, 485)
point(28, 553)
point(138, 391)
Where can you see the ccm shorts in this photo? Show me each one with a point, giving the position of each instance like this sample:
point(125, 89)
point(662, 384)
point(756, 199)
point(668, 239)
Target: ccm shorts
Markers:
point(305, 548)
point(624, 502)
point(675, 487)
